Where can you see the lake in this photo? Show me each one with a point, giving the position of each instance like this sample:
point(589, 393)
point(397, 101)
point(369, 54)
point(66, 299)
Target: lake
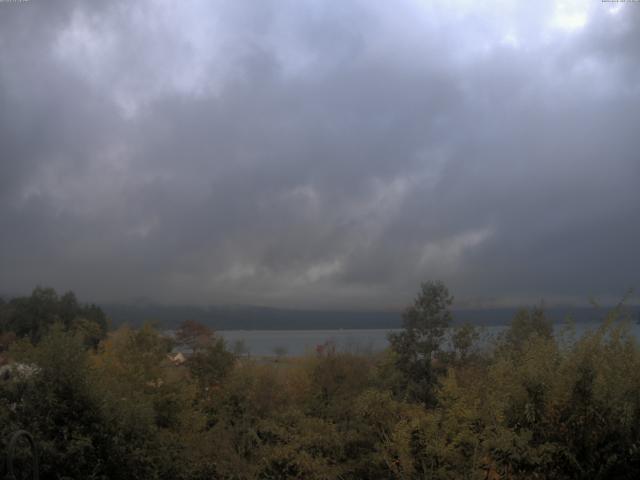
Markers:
point(299, 342)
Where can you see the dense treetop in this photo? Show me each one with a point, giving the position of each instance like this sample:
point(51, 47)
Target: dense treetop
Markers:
point(440, 403)
point(34, 315)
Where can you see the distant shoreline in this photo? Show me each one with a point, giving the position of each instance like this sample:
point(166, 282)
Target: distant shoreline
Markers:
point(268, 319)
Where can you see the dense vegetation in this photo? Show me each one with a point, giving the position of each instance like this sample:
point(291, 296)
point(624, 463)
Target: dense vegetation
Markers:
point(438, 404)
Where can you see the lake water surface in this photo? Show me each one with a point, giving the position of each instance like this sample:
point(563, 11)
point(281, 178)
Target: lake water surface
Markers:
point(299, 342)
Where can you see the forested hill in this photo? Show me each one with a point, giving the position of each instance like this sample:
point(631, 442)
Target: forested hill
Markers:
point(264, 318)
point(251, 317)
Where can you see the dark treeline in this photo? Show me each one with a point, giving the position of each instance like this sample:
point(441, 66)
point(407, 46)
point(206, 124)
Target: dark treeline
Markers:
point(265, 318)
point(119, 405)
point(32, 316)
point(249, 317)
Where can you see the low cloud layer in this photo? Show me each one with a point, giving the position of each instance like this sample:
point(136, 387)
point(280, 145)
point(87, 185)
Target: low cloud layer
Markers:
point(320, 154)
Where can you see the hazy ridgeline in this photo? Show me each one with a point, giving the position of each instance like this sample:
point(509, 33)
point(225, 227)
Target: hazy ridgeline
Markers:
point(264, 318)
point(533, 403)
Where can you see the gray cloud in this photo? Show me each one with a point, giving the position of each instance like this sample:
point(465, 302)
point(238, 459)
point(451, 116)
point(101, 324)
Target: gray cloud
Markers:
point(309, 154)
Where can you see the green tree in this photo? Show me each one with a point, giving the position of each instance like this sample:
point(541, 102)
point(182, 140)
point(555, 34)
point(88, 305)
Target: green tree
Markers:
point(147, 401)
point(418, 344)
point(463, 339)
point(32, 317)
point(210, 365)
point(527, 323)
point(54, 399)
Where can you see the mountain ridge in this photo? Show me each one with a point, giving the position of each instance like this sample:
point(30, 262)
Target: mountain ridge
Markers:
point(253, 317)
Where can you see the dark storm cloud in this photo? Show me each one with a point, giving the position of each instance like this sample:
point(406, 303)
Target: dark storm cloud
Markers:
point(303, 153)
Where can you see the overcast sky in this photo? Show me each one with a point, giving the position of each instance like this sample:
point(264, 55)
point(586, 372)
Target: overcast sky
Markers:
point(307, 153)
